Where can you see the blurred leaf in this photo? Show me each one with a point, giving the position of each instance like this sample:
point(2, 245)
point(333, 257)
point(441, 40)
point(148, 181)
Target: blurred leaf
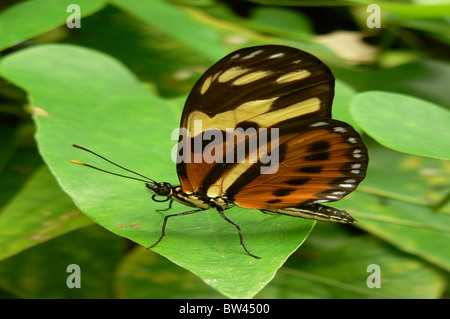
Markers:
point(425, 79)
point(404, 123)
point(41, 272)
point(18, 158)
point(155, 57)
point(438, 26)
point(97, 119)
point(181, 26)
point(412, 10)
point(194, 2)
point(284, 20)
point(343, 274)
point(343, 95)
point(393, 58)
point(211, 37)
point(31, 18)
point(22, 163)
point(412, 228)
point(281, 22)
point(395, 203)
point(414, 179)
point(339, 271)
point(144, 274)
point(402, 9)
point(39, 212)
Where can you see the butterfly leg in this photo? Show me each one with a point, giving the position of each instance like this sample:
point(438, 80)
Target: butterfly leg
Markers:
point(163, 232)
point(168, 208)
point(239, 231)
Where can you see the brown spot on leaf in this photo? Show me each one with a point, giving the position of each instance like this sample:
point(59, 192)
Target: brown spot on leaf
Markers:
point(38, 111)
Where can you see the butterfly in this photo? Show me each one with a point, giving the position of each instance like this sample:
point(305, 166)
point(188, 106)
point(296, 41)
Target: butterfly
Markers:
point(280, 97)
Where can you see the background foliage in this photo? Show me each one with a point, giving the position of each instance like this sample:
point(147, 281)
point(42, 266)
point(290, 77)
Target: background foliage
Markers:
point(118, 84)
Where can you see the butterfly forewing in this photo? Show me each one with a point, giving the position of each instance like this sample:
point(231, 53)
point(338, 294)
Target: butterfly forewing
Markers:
point(258, 87)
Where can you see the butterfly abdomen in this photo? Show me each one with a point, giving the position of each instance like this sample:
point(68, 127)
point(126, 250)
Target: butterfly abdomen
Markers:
point(317, 212)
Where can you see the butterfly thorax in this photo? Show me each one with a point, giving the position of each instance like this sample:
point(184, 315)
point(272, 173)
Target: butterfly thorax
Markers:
point(176, 193)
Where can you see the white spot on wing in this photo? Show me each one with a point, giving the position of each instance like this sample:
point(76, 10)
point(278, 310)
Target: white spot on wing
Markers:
point(253, 54)
point(319, 124)
point(277, 55)
point(356, 153)
point(340, 129)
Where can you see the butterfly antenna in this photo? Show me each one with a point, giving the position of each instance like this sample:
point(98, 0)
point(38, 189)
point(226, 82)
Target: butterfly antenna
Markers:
point(147, 179)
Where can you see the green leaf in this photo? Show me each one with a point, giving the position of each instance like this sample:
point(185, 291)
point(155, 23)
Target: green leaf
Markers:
point(17, 163)
point(425, 79)
point(41, 272)
point(413, 179)
point(39, 212)
point(155, 57)
point(179, 25)
point(397, 200)
point(404, 123)
point(407, 10)
point(31, 18)
point(413, 10)
point(282, 22)
point(87, 98)
point(331, 264)
point(343, 96)
point(309, 274)
point(143, 274)
point(210, 37)
point(412, 228)
point(344, 274)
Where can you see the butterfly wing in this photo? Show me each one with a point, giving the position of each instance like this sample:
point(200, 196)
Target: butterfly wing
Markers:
point(257, 87)
point(321, 161)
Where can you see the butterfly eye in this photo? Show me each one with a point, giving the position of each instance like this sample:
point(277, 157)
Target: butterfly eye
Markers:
point(161, 189)
point(164, 189)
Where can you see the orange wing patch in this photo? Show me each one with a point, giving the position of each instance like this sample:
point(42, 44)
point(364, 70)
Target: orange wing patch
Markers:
point(319, 165)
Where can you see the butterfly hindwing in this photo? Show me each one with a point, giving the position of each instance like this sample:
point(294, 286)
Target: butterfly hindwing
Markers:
point(321, 162)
